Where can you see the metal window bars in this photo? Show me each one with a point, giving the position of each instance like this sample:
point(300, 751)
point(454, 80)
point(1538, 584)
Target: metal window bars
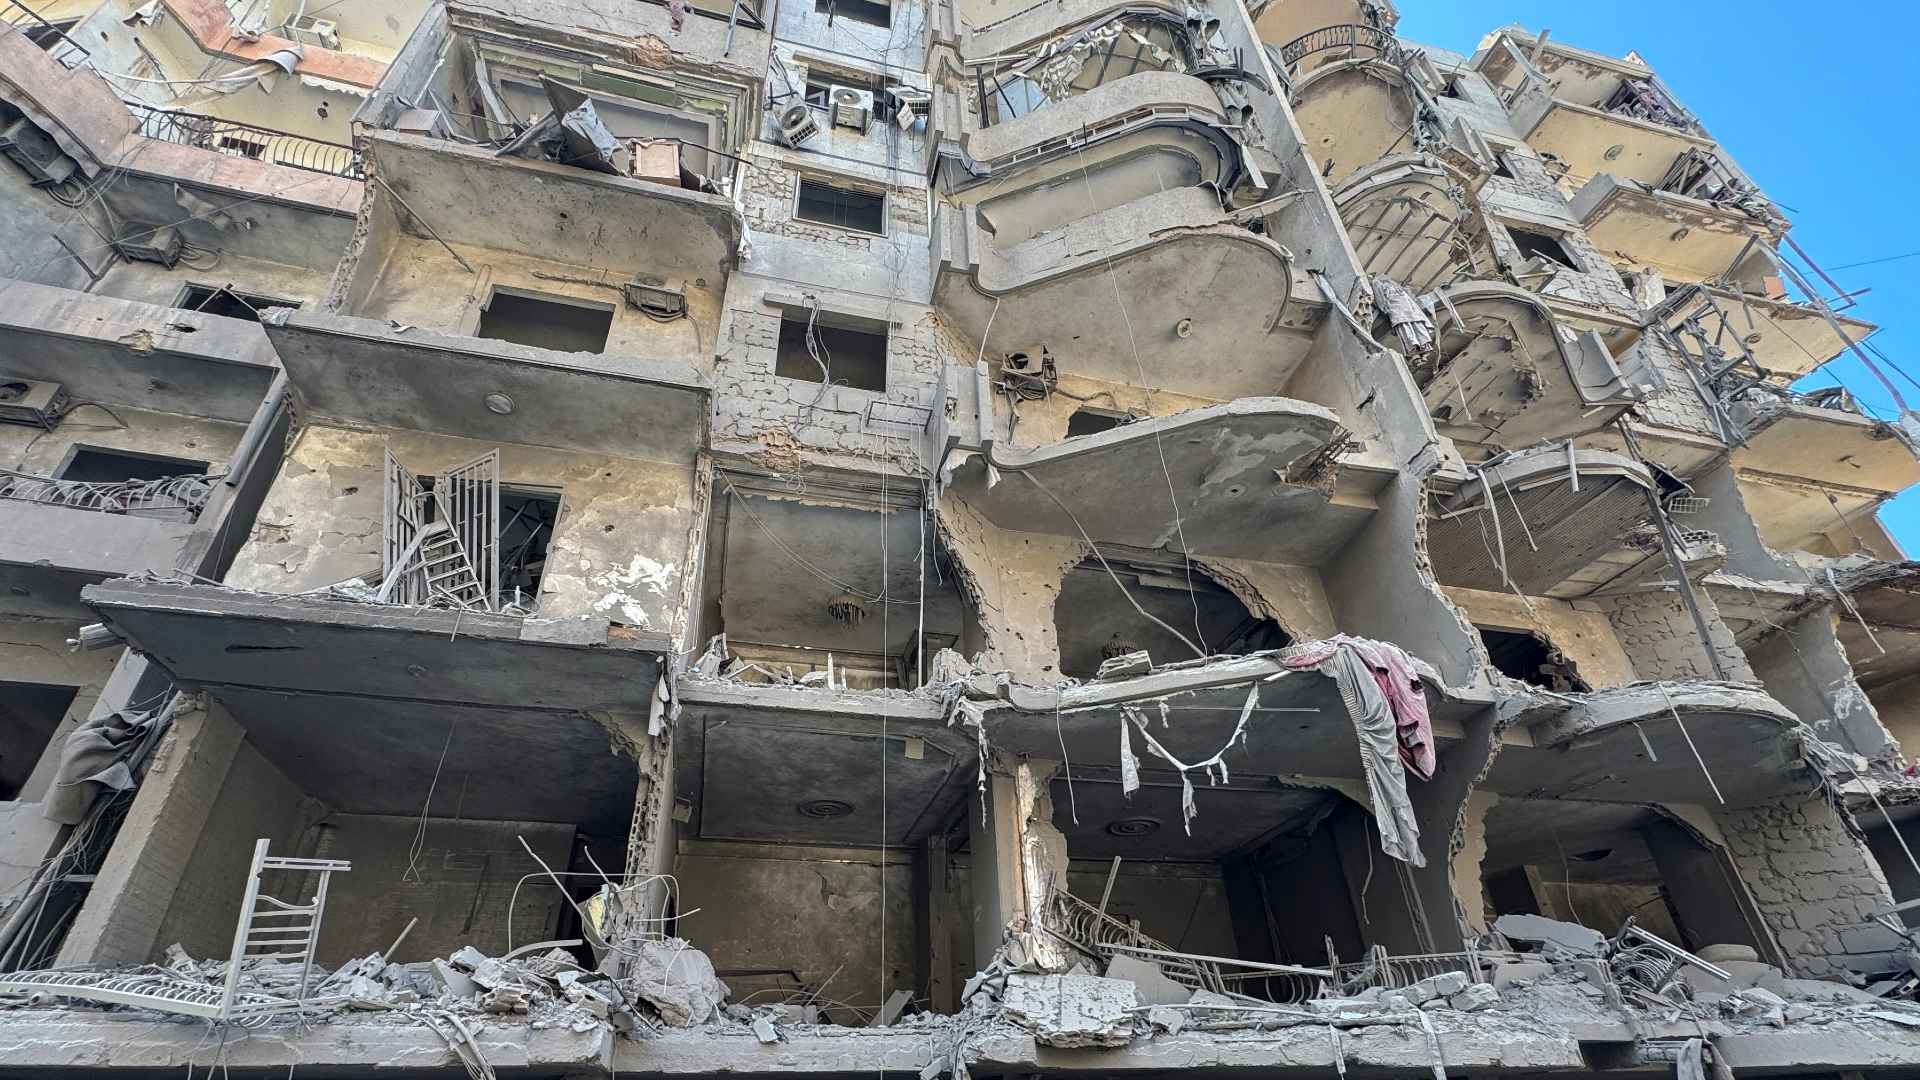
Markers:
point(54, 41)
point(176, 497)
point(268, 930)
point(441, 547)
point(236, 139)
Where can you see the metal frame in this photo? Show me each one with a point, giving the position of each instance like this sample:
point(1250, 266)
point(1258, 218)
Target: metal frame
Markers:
point(218, 135)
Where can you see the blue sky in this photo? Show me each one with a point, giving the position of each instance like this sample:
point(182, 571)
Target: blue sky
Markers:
point(1816, 102)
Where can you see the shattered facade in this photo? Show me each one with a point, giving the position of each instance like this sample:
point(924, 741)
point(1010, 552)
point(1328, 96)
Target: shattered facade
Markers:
point(953, 537)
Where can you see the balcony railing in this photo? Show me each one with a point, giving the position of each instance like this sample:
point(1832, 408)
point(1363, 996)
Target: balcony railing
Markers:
point(1642, 99)
point(52, 39)
point(1357, 38)
point(238, 139)
point(176, 498)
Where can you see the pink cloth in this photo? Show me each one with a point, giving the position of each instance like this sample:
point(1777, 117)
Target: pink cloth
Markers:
point(1393, 669)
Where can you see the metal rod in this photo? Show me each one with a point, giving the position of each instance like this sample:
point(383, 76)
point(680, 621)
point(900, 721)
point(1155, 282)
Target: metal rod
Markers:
point(388, 188)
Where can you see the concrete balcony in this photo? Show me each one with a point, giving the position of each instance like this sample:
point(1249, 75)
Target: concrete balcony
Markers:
point(1786, 338)
point(1118, 142)
point(1591, 141)
point(1086, 291)
point(1352, 113)
point(1805, 471)
point(1557, 521)
point(1267, 487)
point(1686, 239)
point(1503, 370)
point(990, 28)
point(1405, 215)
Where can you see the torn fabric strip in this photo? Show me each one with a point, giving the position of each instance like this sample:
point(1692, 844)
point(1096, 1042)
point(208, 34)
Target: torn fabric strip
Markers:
point(1383, 748)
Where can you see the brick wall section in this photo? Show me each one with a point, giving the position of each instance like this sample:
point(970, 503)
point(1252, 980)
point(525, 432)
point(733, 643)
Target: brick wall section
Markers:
point(1532, 193)
point(1678, 406)
point(1814, 881)
point(1657, 632)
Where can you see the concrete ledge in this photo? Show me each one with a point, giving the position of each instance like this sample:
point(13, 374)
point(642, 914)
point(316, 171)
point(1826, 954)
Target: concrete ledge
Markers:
point(87, 541)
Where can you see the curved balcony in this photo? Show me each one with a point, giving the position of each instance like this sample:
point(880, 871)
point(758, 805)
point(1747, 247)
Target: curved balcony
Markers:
point(1500, 369)
point(991, 33)
point(1109, 146)
point(1137, 284)
point(1405, 216)
point(1352, 113)
point(1558, 527)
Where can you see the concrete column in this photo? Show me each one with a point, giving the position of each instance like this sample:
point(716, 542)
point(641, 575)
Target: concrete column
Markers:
point(935, 920)
point(135, 886)
point(1814, 883)
point(1805, 667)
point(1468, 889)
point(1018, 856)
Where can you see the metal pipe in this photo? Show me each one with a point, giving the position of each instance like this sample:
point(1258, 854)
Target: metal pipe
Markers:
point(241, 463)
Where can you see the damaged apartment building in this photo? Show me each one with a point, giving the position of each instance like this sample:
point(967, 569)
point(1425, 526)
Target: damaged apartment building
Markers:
point(943, 537)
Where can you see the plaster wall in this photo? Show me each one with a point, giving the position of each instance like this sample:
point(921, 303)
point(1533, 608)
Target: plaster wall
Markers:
point(29, 221)
point(155, 284)
point(1657, 631)
point(419, 284)
point(1805, 667)
point(1043, 423)
point(619, 549)
point(1814, 881)
point(817, 912)
point(1578, 628)
point(1012, 580)
point(1289, 595)
point(1898, 704)
point(32, 450)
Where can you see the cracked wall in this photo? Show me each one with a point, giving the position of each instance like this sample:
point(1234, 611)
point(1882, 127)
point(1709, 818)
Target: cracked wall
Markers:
point(619, 548)
point(1657, 631)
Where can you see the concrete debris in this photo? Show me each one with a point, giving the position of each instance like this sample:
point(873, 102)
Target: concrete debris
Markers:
point(1149, 980)
point(1541, 931)
point(763, 1030)
point(1444, 984)
point(1720, 954)
point(1476, 996)
point(678, 980)
point(1167, 1020)
point(1071, 1010)
point(1505, 975)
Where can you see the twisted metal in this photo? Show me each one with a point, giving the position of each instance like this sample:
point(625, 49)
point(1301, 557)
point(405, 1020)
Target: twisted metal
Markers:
point(1352, 36)
point(177, 496)
point(1099, 936)
point(236, 139)
point(52, 40)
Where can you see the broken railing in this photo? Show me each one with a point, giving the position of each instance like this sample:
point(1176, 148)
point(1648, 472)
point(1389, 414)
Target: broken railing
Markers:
point(1358, 39)
point(252, 141)
point(1101, 937)
point(51, 39)
point(1384, 970)
point(174, 497)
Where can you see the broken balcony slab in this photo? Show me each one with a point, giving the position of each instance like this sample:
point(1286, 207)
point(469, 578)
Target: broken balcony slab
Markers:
point(1083, 291)
point(1406, 215)
point(1638, 226)
point(212, 636)
point(990, 31)
point(1638, 743)
point(361, 372)
point(86, 1042)
point(1556, 513)
point(1502, 369)
point(755, 761)
point(1824, 446)
point(1786, 338)
point(599, 220)
point(1256, 473)
point(1881, 632)
point(1352, 112)
point(1591, 141)
point(124, 352)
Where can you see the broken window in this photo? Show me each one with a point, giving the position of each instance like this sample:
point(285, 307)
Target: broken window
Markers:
point(1500, 167)
point(528, 518)
point(871, 12)
point(563, 325)
point(1075, 64)
point(845, 208)
point(1542, 245)
point(1095, 621)
point(29, 715)
point(1531, 659)
point(441, 546)
point(220, 300)
point(818, 346)
point(49, 35)
point(1093, 421)
point(98, 465)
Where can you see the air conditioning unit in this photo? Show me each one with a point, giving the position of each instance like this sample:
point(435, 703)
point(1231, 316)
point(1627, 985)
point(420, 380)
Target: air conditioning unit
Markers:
point(322, 32)
point(36, 404)
point(910, 104)
point(36, 152)
point(658, 301)
point(851, 107)
point(160, 245)
point(797, 124)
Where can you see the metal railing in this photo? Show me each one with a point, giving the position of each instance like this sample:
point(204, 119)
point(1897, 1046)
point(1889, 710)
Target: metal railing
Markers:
point(175, 497)
point(1351, 36)
point(238, 139)
point(52, 39)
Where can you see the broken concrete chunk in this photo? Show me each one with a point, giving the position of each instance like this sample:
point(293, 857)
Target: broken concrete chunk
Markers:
point(1209, 998)
point(1476, 996)
point(452, 981)
point(1540, 930)
point(1149, 981)
point(678, 981)
point(1071, 1010)
point(1764, 998)
point(1445, 984)
point(763, 1030)
point(1505, 975)
point(1394, 1001)
point(490, 973)
point(1347, 1008)
point(1720, 954)
point(467, 958)
point(506, 999)
point(1167, 1020)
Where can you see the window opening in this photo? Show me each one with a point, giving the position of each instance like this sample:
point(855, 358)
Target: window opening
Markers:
point(871, 12)
point(1540, 244)
point(1092, 422)
point(561, 325)
point(49, 35)
point(853, 351)
point(528, 518)
point(29, 715)
point(1500, 167)
point(1531, 659)
point(220, 300)
point(97, 465)
point(862, 211)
